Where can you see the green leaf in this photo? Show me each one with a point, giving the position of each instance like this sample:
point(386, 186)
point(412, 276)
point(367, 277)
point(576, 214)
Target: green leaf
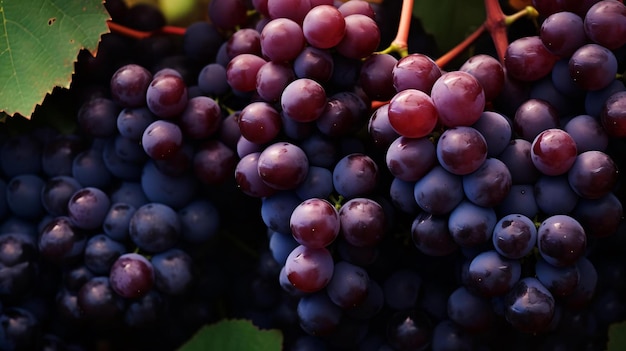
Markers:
point(617, 337)
point(449, 21)
point(39, 43)
point(234, 335)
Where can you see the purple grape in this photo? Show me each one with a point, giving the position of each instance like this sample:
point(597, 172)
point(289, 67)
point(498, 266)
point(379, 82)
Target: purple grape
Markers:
point(361, 38)
point(278, 31)
point(529, 306)
point(162, 139)
point(283, 166)
point(132, 276)
point(315, 223)
point(458, 91)
point(605, 23)
point(431, 236)
point(489, 184)
point(561, 240)
point(87, 207)
point(439, 191)
point(514, 236)
point(355, 175)
point(129, 85)
point(173, 271)
point(154, 227)
point(410, 159)
point(492, 274)
point(593, 174)
point(166, 96)
point(461, 150)
point(363, 222)
point(309, 269)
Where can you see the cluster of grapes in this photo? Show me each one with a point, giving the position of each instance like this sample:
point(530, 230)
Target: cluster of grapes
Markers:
point(381, 201)
point(500, 173)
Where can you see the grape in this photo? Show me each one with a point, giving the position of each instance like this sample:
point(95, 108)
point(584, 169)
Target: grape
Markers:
point(461, 150)
point(593, 174)
point(131, 122)
point(409, 159)
point(248, 179)
point(362, 222)
point(587, 284)
point(87, 207)
point(309, 269)
point(514, 236)
point(226, 14)
point(561, 240)
point(458, 91)
point(497, 131)
point(56, 192)
point(553, 152)
point(58, 154)
point(516, 156)
point(402, 197)
point(315, 223)
point(283, 166)
point(259, 122)
point(471, 225)
point(431, 236)
point(415, 71)
point(201, 118)
point(355, 175)
point(521, 200)
point(337, 119)
point(303, 100)
point(448, 335)
point(593, 67)
point(527, 59)
point(131, 276)
point(324, 26)
point(409, 330)
point(129, 85)
point(560, 281)
point(376, 77)
point(605, 24)
point(318, 183)
point(412, 114)
point(563, 82)
point(439, 191)
point(533, 117)
point(162, 139)
point(201, 41)
point(353, 7)
point(278, 31)
point(172, 271)
point(348, 288)
point(361, 38)
point(588, 133)
point(562, 33)
point(89, 169)
point(489, 73)
point(101, 252)
point(272, 78)
point(317, 314)
point(20, 329)
point(97, 117)
point(173, 191)
point(491, 274)
point(529, 306)
point(489, 184)
point(469, 310)
point(600, 217)
point(154, 227)
point(166, 96)
point(213, 162)
point(313, 63)
point(554, 195)
point(128, 192)
point(98, 301)
point(212, 80)
point(115, 223)
point(242, 71)
point(23, 196)
point(612, 115)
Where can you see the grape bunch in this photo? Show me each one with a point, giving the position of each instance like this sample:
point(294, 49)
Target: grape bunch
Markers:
point(470, 207)
point(274, 163)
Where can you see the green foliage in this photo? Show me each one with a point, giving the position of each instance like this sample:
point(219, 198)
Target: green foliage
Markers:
point(234, 335)
point(39, 43)
point(617, 337)
point(449, 21)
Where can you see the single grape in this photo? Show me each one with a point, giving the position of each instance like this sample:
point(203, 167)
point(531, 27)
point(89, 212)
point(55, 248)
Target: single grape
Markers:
point(412, 113)
point(553, 152)
point(129, 85)
point(461, 150)
point(593, 174)
point(361, 38)
point(514, 236)
point(283, 166)
point(415, 71)
point(304, 100)
point(561, 240)
point(605, 24)
point(131, 276)
point(308, 269)
point(324, 26)
point(363, 222)
point(593, 67)
point(529, 306)
point(315, 223)
point(459, 99)
point(438, 191)
point(527, 59)
point(489, 73)
point(166, 96)
point(278, 31)
point(355, 175)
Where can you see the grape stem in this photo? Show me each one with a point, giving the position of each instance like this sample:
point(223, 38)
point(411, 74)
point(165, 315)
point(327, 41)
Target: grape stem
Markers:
point(400, 44)
point(138, 34)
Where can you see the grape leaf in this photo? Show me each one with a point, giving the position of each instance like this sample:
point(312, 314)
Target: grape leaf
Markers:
point(449, 21)
point(39, 43)
point(234, 335)
point(617, 337)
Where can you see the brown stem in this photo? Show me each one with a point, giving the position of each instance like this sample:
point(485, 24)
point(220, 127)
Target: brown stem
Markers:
point(459, 48)
point(138, 34)
point(402, 36)
point(496, 25)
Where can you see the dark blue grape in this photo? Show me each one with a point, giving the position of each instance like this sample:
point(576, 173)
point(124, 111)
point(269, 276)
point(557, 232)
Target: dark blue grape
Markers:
point(89, 169)
point(529, 306)
point(439, 191)
point(23, 195)
point(173, 271)
point(471, 225)
point(131, 275)
point(87, 207)
point(155, 227)
point(100, 253)
point(318, 315)
point(200, 221)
